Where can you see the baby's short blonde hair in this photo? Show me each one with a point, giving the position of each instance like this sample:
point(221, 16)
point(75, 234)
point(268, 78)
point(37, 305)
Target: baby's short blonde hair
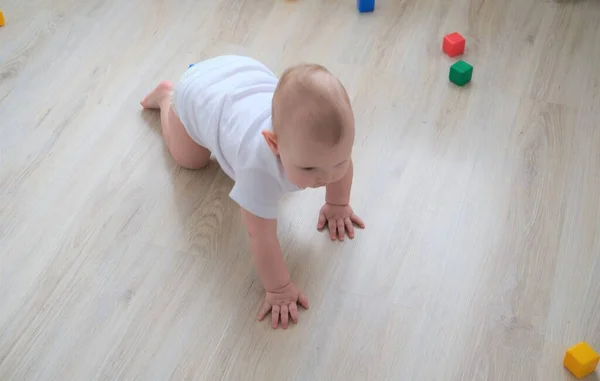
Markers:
point(310, 98)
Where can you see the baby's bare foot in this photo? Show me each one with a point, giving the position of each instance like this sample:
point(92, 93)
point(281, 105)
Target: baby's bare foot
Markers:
point(158, 95)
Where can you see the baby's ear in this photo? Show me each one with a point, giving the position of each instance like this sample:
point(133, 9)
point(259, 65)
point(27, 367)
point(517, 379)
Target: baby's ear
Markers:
point(271, 140)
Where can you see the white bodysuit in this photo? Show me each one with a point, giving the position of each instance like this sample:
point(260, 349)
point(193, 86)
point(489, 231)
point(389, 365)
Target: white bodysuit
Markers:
point(224, 104)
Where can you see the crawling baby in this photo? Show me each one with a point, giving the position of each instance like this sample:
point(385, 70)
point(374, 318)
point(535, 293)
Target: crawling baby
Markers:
point(271, 137)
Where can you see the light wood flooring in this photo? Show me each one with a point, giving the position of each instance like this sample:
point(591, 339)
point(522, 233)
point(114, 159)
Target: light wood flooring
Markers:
point(481, 257)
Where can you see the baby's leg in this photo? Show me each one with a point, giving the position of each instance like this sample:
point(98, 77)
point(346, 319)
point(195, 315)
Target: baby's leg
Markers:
point(186, 152)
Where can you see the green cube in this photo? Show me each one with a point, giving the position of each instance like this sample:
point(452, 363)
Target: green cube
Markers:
point(461, 73)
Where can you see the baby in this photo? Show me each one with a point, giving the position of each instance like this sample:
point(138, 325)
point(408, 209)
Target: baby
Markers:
point(271, 137)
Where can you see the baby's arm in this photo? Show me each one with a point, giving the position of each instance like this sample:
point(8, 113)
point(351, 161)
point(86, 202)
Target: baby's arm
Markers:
point(337, 212)
point(282, 295)
point(338, 193)
point(266, 252)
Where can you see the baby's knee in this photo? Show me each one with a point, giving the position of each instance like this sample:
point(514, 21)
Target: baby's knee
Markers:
point(190, 157)
point(191, 164)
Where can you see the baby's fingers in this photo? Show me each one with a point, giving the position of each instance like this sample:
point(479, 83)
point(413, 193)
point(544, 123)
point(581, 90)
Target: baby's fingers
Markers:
point(357, 220)
point(275, 317)
point(294, 312)
point(349, 227)
point(284, 316)
point(341, 229)
point(303, 300)
point(264, 310)
point(332, 229)
point(322, 221)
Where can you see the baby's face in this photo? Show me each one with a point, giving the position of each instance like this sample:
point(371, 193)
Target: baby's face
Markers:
point(312, 164)
point(315, 126)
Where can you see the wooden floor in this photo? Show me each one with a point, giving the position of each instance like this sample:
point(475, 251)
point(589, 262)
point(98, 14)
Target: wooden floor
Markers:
point(481, 257)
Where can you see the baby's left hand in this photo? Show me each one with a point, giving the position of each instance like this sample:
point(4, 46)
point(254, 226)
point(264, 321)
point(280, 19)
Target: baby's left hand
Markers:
point(340, 218)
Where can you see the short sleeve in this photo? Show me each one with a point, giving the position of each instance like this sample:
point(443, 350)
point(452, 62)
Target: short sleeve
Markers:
point(258, 192)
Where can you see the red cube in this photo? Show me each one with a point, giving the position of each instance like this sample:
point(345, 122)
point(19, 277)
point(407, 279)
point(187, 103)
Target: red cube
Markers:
point(454, 44)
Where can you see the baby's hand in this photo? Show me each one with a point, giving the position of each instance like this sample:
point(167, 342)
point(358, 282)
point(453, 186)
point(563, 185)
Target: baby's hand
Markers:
point(283, 303)
point(340, 218)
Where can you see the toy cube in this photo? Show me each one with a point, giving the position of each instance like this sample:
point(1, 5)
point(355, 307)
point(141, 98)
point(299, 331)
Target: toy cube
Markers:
point(366, 5)
point(2, 21)
point(454, 44)
point(461, 73)
point(581, 360)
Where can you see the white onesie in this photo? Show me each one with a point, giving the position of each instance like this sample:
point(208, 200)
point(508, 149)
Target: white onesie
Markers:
point(224, 103)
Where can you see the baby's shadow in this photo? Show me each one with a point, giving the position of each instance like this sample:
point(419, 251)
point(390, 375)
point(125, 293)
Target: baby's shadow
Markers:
point(199, 192)
point(200, 198)
point(152, 119)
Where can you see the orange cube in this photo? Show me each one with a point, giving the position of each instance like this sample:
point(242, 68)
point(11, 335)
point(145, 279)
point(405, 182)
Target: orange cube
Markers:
point(581, 360)
point(2, 21)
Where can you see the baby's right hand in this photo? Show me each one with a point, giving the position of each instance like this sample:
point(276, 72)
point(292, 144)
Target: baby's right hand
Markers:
point(283, 303)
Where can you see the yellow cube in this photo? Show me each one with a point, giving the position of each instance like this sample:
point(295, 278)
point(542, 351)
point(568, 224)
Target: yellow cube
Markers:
point(2, 22)
point(581, 360)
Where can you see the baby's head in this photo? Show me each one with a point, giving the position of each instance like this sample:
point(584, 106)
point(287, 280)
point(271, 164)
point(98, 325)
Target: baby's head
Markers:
point(313, 126)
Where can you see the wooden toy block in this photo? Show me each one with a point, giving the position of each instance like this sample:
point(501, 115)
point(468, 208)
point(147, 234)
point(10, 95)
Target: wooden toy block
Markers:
point(2, 21)
point(366, 6)
point(461, 73)
point(454, 44)
point(581, 360)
